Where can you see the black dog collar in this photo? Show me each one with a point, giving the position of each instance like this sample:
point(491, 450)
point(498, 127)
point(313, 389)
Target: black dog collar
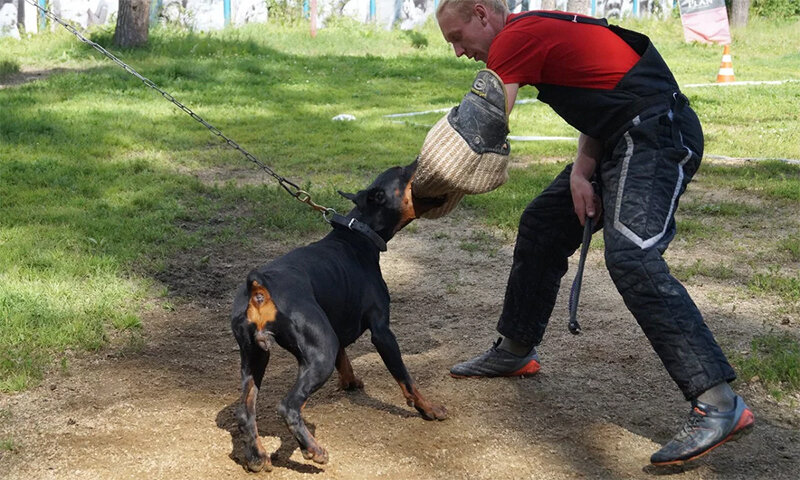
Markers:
point(360, 227)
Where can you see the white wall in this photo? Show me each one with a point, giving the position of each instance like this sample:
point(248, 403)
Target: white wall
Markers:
point(205, 15)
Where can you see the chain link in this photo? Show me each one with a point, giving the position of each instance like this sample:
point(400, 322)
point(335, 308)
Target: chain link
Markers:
point(287, 185)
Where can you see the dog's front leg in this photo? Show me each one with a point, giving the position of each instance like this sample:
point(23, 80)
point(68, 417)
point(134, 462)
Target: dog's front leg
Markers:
point(386, 344)
point(347, 379)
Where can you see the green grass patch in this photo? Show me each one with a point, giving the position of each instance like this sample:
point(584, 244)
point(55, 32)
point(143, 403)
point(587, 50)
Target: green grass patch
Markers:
point(503, 207)
point(7, 445)
point(787, 287)
point(774, 359)
point(717, 209)
point(480, 241)
point(716, 271)
point(791, 246)
point(770, 179)
point(693, 230)
point(8, 67)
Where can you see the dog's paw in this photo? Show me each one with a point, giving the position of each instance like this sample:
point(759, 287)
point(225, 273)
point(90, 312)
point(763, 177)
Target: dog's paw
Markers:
point(258, 463)
point(351, 384)
point(316, 454)
point(434, 412)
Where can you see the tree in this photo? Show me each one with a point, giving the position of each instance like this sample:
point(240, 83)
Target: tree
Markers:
point(133, 21)
point(579, 6)
point(740, 10)
point(548, 4)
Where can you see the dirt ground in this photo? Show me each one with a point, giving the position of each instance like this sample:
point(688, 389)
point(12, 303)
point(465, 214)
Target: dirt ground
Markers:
point(162, 406)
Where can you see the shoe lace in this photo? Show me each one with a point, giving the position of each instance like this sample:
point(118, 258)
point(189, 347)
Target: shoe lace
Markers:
point(690, 426)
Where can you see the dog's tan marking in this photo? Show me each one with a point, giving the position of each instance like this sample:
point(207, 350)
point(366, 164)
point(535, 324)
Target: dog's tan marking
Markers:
point(261, 309)
point(407, 213)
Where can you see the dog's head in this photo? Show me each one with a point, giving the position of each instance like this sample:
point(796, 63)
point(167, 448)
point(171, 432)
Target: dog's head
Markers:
point(388, 205)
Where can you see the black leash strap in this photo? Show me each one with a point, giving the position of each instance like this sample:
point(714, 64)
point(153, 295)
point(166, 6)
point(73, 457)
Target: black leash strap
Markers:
point(563, 16)
point(354, 225)
point(575, 291)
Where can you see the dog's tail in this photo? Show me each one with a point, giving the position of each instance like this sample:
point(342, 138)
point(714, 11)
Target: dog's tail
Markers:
point(261, 312)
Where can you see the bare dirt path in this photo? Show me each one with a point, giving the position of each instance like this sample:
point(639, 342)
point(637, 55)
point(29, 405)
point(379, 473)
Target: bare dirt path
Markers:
point(163, 407)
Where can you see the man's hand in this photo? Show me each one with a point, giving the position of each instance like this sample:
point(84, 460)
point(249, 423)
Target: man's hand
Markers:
point(586, 202)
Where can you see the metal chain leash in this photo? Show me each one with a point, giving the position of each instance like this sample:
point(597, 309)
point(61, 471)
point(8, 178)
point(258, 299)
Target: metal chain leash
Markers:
point(287, 185)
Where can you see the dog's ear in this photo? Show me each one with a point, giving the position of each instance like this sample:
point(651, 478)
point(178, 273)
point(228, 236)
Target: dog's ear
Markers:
point(349, 196)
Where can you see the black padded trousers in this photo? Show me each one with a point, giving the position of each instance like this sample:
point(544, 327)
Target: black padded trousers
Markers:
point(642, 177)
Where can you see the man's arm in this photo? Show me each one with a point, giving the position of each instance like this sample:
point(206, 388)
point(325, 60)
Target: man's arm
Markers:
point(511, 95)
point(583, 195)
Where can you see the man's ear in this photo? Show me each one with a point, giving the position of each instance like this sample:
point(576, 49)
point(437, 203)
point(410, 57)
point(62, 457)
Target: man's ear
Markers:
point(480, 12)
point(349, 196)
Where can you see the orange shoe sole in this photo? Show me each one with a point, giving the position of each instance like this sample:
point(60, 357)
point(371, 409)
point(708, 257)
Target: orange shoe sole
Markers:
point(742, 428)
point(530, 368)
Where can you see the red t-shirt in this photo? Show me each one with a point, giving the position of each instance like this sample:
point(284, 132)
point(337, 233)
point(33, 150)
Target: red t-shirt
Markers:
point(539, 50)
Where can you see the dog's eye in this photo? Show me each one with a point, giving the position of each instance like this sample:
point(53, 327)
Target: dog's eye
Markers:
point(377, 196)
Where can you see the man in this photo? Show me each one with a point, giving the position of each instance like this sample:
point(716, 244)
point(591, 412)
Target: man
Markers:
point(642, 144)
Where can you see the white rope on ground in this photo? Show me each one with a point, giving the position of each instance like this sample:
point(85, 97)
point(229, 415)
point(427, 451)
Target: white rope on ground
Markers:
point(727, 159)
point(521, 101)
point(733, 84)
point(510, 137)
point(515, 138)
point(413, 114)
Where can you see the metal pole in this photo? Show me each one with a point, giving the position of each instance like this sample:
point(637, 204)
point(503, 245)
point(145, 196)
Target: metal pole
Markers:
point(594, 8)
point(313, 18)
point(226, 11)
point(155, 9)
point(372, 10)
point(636, 8)
point(42, 18)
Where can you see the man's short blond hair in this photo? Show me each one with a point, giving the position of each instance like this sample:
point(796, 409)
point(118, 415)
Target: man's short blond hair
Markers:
point(465, 6)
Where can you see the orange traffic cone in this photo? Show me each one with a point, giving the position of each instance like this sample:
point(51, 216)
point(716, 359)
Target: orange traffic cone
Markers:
point(726, 67)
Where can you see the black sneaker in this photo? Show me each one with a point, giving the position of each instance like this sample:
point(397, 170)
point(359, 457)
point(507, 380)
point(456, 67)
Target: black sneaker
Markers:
point(497, 363)
point(706, 429)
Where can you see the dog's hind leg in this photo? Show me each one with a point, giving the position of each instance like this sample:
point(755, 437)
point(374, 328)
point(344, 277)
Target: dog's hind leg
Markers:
point(386, 344)
point(347, 379)
point(254, 364)
point(253, 310)
point(314, 343)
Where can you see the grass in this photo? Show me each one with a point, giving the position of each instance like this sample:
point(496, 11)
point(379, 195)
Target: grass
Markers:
point(685, 273)
point(102, 181)
point(772, 180)
point(8, 67)
point(791, 246)
point(787, 287)
point(7, 445)
point(774, 360)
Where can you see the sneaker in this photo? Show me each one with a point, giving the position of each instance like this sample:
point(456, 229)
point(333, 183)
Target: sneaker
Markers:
point(706, 429)
point(497, 363)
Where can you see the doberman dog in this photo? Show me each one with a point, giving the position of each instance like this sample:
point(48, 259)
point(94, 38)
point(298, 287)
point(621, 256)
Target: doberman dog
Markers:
point(316, 300)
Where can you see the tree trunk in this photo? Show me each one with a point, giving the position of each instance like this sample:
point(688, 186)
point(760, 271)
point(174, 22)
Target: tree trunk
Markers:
point(740, 11)
point(583, 7)
point(133, 21)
